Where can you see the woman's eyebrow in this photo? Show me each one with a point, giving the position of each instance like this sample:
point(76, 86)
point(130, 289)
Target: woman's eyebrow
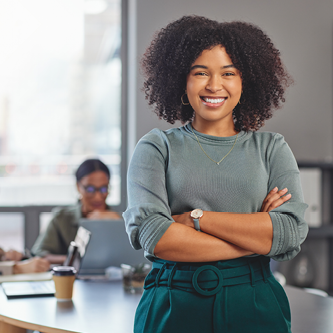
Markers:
point(198, 66)
point(228, 66)
point(205, 67)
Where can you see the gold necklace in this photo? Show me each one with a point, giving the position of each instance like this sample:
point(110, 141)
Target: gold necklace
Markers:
point(208, 155)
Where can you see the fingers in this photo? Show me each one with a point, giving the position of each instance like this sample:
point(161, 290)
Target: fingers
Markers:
point(268, 199)
point(114, 215)
point(13, 255)
point(93, 215)
point(108, 215)
point(279, 202)
point(275, 199)
point(37, 265)
point(175, 217)
point(42, 265)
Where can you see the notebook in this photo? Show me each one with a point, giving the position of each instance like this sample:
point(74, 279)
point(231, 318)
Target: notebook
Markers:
point(26, 277)
point(109, 246)
point(28, 289)
point(46, 288)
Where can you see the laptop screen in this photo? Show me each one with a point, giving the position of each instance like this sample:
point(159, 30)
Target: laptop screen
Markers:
point(109, 246)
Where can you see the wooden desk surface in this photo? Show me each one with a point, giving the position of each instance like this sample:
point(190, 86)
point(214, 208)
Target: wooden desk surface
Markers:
point(105, 307)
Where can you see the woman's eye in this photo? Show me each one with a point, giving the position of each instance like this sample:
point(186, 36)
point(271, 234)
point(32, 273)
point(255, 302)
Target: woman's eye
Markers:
point(200, 73)
point(228, 74)
point(90, 189)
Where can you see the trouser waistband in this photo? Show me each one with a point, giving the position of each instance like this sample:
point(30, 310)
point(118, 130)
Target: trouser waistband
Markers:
point(207, 279)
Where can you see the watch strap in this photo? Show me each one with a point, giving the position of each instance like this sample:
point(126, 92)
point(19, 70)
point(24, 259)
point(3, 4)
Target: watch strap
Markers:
point(196, 224)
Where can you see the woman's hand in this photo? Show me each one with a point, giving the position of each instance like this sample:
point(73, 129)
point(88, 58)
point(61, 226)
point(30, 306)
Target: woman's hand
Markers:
point(13, 255)
point(184, 218)
point(57, 259)
point(274, 199)
point(33, 265)
point(103, 215)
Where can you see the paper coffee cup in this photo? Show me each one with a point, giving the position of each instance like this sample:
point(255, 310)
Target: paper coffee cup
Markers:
point(63, 277)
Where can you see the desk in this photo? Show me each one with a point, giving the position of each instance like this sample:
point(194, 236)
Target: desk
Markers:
point(96, 307)
point(103, 307)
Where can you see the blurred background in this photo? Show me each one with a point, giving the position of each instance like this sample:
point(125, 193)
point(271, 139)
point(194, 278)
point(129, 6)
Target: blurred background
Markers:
point(70, 88)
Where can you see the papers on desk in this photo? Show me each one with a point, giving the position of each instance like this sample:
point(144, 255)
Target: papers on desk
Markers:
point(26, 277)
point(28, 285)
point(28, 289)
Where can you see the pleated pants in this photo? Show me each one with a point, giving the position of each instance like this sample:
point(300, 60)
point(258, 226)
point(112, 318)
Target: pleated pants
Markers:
point(233, 296)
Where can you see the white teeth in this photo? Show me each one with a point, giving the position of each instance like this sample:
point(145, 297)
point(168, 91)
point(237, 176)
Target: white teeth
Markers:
point(214, 100)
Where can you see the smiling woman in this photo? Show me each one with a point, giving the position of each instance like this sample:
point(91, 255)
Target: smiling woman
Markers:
point(214, 87)
point(216, 174)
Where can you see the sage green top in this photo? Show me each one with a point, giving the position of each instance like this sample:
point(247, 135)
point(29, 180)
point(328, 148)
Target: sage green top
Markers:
point(170, 174)
point(60, 231)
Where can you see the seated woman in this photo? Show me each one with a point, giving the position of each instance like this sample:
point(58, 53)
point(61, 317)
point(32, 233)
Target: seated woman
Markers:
point(11, 263)
point(92, 181)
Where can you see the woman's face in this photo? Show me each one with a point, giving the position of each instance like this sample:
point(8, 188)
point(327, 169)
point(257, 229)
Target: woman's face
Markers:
point(94, 189)
point(214, 87)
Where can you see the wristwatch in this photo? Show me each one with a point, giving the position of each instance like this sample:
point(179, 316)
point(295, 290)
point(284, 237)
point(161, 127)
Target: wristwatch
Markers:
point(196, 214)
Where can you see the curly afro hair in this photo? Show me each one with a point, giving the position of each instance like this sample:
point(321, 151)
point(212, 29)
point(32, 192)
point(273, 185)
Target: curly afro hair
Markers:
point(167, 62)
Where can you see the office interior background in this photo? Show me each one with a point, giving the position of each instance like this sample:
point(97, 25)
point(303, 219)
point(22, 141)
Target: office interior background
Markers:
point(70, 88)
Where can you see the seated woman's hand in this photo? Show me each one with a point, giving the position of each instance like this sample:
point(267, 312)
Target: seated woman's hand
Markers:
point(13, 255)
point(33, 265)
point(103, 215)
point(274, 199)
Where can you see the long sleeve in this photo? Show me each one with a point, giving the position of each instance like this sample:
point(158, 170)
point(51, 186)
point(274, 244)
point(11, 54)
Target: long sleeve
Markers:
point(169, 174)
point(289, 226)
point(148, 214)
point(59, 233)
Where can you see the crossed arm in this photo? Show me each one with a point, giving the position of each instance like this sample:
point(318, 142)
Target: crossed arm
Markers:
point(225, 235)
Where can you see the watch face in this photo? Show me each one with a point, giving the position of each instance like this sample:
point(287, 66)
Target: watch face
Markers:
point(196, 213)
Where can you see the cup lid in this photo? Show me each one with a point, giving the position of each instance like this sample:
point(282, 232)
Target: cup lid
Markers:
point(63, 270)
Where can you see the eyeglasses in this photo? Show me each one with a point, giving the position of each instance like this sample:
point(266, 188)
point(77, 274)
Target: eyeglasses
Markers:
point(91, 190)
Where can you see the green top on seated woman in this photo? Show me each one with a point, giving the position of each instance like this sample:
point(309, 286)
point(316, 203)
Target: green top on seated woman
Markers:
point(92, 182)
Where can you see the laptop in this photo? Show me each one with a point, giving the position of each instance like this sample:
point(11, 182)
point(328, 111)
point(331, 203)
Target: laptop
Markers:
point(108, 246)
point(98, 244)
point(76, 252)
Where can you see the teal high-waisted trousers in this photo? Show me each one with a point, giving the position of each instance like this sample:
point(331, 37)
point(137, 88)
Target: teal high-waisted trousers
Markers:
point(232, 296)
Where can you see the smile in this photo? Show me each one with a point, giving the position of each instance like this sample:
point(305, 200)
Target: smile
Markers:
point(213, 100)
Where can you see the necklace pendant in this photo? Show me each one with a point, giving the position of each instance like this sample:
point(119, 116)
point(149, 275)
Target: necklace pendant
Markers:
point(218, 163)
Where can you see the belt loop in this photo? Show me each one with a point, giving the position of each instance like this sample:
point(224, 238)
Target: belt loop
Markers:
point(264, 274)
point(157, 280)
point(174, 268)
point(251, 273)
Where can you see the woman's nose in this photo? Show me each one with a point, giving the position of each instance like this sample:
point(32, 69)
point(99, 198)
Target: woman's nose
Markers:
point(214, 84)
point(98, 195)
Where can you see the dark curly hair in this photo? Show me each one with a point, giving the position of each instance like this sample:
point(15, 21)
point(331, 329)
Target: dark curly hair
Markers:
point(167, 62)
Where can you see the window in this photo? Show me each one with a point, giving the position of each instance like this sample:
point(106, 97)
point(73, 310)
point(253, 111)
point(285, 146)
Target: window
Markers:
point(12, 231)
point(60, 97)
